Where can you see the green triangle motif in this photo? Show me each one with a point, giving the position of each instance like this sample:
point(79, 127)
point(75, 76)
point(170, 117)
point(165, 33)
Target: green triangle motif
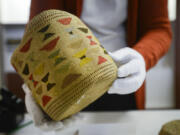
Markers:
point(59, 60)
point(54, 54)
point(63, 68)
point(85, 30)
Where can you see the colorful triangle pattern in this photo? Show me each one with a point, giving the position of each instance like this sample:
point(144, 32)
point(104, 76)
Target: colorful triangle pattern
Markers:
point(26, 46)
point(50, 46)
point(69, 79)
point(45, 100)
point(101, 60)
point(34, 82)
point(91, 41)
point(65, 21)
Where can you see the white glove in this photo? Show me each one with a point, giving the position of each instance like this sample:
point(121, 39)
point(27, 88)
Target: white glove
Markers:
point(131, 71)
point(39, 118)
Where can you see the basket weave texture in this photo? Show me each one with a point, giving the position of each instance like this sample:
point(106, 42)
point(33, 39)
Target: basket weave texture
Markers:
point(63, 64)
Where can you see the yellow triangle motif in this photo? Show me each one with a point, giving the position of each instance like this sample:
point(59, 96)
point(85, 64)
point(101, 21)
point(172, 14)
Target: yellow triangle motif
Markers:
point(85, 61)
point(39, 70)
point(80, 53)
point(82, 56)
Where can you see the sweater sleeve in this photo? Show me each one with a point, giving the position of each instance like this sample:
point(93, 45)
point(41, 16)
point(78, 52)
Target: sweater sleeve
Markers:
point(155, 29)
point(38, 6)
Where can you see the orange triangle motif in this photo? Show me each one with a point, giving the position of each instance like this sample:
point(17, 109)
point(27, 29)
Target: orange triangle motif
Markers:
point(93, 43)
point(45, 100)
point(89, 37)
point(35, 83)
point(65, 21)
point(101, 60)
point(50, 46)
point(26, 47)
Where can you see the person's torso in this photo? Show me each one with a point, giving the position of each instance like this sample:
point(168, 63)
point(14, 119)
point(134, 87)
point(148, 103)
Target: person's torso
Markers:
point(106, 19)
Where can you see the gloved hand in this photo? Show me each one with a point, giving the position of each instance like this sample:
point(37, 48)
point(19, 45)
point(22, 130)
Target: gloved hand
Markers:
point(131, 71)
point(40, 119)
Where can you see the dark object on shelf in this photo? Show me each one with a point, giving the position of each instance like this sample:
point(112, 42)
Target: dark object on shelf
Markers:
point(12, 111)
point(14, 86)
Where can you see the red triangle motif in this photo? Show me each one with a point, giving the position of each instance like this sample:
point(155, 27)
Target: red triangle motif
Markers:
point(93, 43)
point(26, 47)
point(45, 100)
point(50, 46)
point(31, 77)
point(65, 21)
point(35, 83)
point(89, 37)
point(101, 60)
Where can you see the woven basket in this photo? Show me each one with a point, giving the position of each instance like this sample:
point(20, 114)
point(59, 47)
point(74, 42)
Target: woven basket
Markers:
point(62, 63)
point(171, 128)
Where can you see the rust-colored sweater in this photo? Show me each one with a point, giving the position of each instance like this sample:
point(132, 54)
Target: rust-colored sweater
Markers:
point(148, 28)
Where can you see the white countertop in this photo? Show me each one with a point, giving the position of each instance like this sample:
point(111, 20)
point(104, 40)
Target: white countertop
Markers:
point(129, 122)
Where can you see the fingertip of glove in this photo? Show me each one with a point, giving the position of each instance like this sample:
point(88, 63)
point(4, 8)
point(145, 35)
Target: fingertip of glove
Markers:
point(50, 126)
point(110, 91)
point(110, 54)
point(25, 88)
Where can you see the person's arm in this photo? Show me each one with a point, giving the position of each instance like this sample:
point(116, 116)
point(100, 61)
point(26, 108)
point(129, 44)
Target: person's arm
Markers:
point(154, 42)
point(38, 6)
point(156, 30)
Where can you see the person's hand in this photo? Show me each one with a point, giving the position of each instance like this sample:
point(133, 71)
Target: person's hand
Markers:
point(131, 71)
point(40, 119)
